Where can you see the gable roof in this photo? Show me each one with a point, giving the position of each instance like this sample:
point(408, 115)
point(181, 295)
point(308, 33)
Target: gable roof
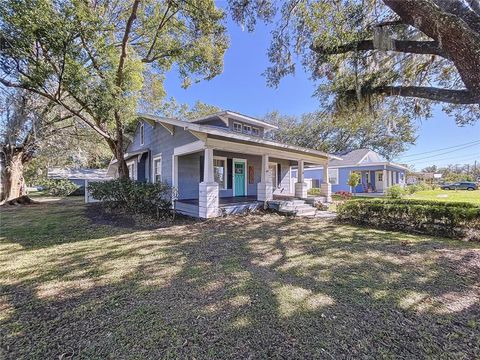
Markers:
point(224, 115)
point(361, 157)
point(358, 156)
point(229, 134)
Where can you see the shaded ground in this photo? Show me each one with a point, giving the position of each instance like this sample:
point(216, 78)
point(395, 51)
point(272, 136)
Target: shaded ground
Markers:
point(241, 287)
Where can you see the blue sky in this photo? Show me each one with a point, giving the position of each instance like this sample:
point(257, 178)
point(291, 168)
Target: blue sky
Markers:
point(242, 88)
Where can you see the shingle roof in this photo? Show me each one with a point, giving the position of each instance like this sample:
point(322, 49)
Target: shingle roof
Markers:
point(66, 173)
point(356, 157)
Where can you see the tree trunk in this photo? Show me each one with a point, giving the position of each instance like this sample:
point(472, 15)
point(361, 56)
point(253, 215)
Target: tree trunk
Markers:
point(13, 183)
point(122, 164)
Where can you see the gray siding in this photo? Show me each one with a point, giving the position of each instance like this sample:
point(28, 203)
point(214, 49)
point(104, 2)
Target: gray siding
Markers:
point(189, 174)
point(159, 141)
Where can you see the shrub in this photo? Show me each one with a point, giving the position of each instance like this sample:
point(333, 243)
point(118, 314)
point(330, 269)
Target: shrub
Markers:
point(411, 189)
point(353, 180)
point(134, 197)
point(395, 192)
point(58, 187)
point(344, 195)
point(451, 219)
point(314, 191)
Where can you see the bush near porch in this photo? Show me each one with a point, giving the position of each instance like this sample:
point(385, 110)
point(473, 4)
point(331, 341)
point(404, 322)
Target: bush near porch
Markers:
point(454, 219)
point(154, 199)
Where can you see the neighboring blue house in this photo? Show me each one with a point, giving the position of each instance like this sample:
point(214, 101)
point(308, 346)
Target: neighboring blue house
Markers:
point(224, 158)
point(377, 174)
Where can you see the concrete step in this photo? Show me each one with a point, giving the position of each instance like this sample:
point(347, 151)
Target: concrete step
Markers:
point(306, 212)
point(295, 207)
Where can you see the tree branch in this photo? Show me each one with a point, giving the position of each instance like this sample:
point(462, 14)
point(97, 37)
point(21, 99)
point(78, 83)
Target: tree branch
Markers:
point(404, 46)
point(126, 35)
point(460, 9)
point(430, 93)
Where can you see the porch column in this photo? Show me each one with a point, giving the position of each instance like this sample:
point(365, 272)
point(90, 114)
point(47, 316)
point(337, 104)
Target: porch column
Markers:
point(300, 186)
point(265, 187)
point(385, 180)
point(325, 186)
point(208, 189)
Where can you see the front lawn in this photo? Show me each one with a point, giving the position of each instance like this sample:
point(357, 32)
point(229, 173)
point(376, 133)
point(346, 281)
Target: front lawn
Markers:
point(75, 286)
point(448, 195)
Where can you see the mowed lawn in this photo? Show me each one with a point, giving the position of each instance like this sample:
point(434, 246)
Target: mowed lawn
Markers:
point(257, 286)
point(448, 195)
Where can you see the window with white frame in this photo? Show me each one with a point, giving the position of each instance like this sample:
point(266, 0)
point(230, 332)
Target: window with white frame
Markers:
point(255, 131)
point(237, 127)
point(220, 171)
point(333, 176)
point(380, 176)
point(247, 129)
point(142, 134)
point(157, 168)
point(131, 170)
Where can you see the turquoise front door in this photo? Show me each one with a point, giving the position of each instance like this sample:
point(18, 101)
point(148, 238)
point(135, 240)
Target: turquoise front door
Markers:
point(239, 178)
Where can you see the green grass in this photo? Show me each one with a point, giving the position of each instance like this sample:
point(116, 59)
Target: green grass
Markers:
point(258, 286)
point(448, 195)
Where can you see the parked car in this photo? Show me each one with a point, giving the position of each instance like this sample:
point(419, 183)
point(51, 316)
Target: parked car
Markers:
point(463, 185)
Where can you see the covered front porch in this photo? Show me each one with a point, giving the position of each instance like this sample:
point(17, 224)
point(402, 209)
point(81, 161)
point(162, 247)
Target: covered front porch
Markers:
point(216, 177)
point(377, 181)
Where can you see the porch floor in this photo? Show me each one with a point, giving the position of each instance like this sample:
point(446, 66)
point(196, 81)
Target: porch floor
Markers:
point(225, 201)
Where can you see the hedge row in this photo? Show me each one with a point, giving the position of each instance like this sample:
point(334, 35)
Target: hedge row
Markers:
point(428, 217)
point(421, 202)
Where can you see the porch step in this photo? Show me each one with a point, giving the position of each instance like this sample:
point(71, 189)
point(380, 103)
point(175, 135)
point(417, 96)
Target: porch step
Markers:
point(294, 207)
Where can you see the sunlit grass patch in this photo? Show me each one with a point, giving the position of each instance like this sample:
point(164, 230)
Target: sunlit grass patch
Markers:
point(257, 286)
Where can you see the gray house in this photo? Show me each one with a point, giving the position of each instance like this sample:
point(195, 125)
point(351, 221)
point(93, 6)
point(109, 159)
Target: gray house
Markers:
point(222, 161)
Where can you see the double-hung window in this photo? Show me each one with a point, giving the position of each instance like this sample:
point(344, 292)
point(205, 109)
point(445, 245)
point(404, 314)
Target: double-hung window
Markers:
point(237, 127)
point(131, 170)
point(247, 129)
point(333, 176)
point(157, 168)
point(255, 131)
point(220, 171)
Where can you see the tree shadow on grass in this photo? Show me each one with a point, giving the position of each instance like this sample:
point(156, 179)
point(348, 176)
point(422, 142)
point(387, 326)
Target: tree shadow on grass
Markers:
point(249, 287)
point(62, 221)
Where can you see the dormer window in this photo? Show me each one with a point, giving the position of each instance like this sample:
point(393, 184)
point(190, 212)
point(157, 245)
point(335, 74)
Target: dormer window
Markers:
point(237, 127)
point(255, 131)
point(247, 129)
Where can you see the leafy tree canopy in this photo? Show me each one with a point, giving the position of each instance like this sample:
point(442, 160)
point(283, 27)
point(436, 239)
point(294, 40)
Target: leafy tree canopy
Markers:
point(385, 133)
point(96, 59)
point(370, 54)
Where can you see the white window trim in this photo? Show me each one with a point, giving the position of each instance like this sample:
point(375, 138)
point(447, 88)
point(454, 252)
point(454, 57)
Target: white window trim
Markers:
point(257, 129)
point(233, 175)
point(241, 127)
point(142, 134)
point(134, 165)
point(330, 172)
point(276, 173)
point(224, 158)
point(247, 129)
point(156, 157)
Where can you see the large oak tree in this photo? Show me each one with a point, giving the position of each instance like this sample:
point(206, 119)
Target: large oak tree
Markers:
point(97, 58)
point(414, 53)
